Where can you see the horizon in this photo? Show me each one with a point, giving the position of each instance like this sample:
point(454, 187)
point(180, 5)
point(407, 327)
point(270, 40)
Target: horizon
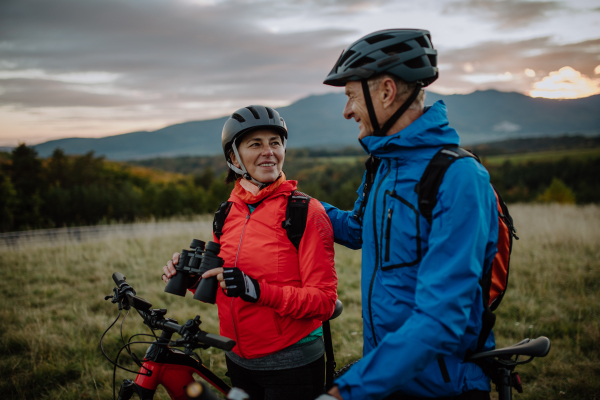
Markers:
point(4, 148)
point(98, 68)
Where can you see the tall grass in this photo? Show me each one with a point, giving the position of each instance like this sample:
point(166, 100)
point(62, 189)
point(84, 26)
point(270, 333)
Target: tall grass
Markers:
point(53, 309)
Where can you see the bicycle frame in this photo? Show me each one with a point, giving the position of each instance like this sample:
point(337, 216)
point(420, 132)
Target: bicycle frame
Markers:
point(171, 368)
point(163, 365)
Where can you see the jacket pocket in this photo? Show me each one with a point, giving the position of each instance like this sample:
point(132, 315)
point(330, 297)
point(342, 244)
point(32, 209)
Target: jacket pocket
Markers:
point(276, 322)
point(401, 232)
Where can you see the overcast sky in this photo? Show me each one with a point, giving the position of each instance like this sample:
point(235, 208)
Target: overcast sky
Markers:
point(102, 67)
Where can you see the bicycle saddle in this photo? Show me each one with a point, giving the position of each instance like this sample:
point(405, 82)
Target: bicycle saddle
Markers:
point(339, 307)
point(529, 347)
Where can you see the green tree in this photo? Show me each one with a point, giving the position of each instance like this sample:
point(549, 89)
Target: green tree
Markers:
point(27, 180)
point(8, 203)
point(557, 192)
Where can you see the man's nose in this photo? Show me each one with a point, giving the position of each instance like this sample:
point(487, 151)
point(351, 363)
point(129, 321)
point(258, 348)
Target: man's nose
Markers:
point(348, 110)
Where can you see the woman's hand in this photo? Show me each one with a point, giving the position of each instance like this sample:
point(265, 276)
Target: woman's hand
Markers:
point(236, 283)
point(218, 272)
point(169, 269)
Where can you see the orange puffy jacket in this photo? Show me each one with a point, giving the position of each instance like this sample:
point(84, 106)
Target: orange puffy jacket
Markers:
point(298, 287)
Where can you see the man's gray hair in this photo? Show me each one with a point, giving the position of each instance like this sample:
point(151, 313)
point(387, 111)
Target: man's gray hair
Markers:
point(403, 89)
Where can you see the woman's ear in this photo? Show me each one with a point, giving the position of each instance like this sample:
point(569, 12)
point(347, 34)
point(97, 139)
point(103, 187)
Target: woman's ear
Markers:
point(233, 159)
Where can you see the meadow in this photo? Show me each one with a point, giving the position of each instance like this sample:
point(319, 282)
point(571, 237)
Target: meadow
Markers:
point(53, 309)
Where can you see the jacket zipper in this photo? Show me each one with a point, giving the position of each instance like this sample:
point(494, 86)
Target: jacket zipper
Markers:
point(237, 341)
point(387, 235)
point(376, 253)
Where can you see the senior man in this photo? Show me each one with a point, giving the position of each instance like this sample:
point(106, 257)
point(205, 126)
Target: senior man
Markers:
point(421, 297)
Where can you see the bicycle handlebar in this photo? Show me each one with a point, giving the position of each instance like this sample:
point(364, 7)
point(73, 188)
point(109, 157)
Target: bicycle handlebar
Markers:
point(155, 319)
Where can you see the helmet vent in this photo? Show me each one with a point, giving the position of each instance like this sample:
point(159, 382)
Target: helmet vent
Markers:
point(254, 112)
point(345, 57)
point(362, 62)
point(396, 49)
point(423, 42)
point(238, 117)
point(378, 38)
point(432, 60)
point(414, 63)
point(270, 112)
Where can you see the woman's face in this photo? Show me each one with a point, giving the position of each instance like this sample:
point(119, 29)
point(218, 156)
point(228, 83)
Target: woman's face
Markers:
point(262, 153)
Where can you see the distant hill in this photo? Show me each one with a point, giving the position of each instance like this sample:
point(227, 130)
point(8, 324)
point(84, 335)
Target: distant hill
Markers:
point(317, 122)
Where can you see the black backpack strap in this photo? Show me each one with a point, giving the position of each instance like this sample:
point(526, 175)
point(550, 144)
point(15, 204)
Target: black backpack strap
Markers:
point(220, 217)
point(296, 214)
point(330, 363)
point(427, 190)
point(371, 165)
point(432, 178)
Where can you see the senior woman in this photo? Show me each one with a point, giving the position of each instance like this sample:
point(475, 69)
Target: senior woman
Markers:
point(275, 295)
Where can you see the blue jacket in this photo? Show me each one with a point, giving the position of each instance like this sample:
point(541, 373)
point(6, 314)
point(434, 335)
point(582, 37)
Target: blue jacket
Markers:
point(421, 299)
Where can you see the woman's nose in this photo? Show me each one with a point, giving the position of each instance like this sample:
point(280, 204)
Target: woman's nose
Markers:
point(267, 151)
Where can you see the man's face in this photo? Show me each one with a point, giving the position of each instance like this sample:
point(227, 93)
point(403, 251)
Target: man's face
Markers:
point(356, 108)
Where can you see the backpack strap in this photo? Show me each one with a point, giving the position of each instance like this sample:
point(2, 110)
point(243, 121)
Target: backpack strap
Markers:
point(371, 165)
point(427, 190)
point(296, 214)
point(432, 178)
point(220, 217)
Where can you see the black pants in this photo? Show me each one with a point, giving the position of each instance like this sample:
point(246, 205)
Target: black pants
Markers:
point(301, 383)
point(470, 395)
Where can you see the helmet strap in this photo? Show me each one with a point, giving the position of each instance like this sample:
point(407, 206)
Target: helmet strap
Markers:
point(392, 120)
point(370, 109)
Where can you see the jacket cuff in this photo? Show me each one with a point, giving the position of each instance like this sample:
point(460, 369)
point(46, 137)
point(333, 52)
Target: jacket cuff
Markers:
point(270, 295)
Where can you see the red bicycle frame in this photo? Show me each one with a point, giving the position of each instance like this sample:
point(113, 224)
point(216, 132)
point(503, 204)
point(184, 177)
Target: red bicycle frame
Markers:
point(171, 368)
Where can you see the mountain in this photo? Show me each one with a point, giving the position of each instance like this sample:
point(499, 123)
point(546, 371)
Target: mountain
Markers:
point(317, 121)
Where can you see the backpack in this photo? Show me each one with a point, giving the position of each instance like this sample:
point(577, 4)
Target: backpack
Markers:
point(294, 224)
point(296, 213)
point(494, 283)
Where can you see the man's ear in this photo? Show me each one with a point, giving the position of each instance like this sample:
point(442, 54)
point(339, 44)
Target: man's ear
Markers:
point(387, 90)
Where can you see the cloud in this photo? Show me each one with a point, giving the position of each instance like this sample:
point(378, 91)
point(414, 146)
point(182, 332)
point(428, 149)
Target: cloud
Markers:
point(507, 14)
point(566, 83)
point(504, 65)
point(155, 53)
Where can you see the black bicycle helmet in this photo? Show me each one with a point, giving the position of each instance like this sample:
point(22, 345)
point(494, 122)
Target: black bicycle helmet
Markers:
point(245, 120)
point(404, 53)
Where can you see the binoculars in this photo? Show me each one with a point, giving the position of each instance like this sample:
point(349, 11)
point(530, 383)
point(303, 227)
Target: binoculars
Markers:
point(192, 264)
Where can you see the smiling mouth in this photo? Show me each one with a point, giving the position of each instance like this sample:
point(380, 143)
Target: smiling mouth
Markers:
point(266, 165)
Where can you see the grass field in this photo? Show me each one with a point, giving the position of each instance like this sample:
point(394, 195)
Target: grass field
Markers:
point(542, 156)
point(53, 310)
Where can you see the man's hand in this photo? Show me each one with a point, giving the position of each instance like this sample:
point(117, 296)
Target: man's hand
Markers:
point(334, 392)
point(169, 269)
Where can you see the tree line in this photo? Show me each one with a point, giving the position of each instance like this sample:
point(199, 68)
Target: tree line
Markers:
point(87, 190)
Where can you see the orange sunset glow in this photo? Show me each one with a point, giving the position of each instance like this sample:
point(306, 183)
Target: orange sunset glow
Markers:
point(566, 83)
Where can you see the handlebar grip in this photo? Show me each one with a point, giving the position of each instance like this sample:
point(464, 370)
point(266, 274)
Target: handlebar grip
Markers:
point(119, 278)
point(220, 342)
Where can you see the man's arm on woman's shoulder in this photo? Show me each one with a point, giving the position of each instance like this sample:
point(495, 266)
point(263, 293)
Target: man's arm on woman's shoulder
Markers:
point(347, 228)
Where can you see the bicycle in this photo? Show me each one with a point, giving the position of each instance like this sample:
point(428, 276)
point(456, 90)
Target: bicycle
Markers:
point(172, 368)
point(162, 364)
point(499, 364)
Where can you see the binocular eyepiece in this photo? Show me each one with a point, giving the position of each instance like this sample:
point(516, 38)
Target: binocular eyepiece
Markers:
point(192, 264)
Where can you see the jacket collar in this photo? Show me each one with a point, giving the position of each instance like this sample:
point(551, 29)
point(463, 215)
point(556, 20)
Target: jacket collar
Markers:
point(280, 186)
point(429, 130)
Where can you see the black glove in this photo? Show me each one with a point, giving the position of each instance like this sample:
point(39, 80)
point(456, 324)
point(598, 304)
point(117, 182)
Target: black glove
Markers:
point(241, 285)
